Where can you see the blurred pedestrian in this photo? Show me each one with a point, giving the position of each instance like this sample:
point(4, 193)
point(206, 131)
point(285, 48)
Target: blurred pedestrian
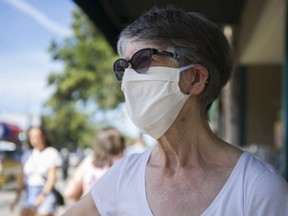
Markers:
point(39, 175)
point(65, 162)
point(107, 148)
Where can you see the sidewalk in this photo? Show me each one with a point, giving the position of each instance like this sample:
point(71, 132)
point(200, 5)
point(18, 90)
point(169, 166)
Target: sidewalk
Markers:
point(7, 196)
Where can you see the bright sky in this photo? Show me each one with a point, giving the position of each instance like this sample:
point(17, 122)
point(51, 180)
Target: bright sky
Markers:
point(26, 29)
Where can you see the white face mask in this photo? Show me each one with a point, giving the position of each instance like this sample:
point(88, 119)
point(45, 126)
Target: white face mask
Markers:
point(154, 99)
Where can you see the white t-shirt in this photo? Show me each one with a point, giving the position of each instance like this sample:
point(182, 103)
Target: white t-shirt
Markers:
point(134, 149)
point(254, 188)
point(38, 164)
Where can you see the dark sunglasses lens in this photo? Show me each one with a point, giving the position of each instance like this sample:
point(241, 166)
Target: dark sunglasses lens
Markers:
point(119, 68)
point(141, 61)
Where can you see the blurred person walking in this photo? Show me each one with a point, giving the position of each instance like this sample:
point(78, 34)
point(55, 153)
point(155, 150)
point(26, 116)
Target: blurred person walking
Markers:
point(108, 147)
point(39, 169)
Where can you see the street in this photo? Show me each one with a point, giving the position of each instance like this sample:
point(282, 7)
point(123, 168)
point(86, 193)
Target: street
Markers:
point(7, 196)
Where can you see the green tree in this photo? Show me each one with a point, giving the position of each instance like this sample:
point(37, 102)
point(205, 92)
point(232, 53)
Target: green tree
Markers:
point(70, 128)
point(87, 80)
point(88, 60)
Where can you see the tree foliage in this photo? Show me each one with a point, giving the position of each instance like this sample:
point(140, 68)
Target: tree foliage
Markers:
point(70, 128)
point(88, 74)
point(87, 79)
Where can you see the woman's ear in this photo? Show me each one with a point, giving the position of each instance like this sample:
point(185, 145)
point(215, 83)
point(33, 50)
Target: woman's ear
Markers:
point(196, 80)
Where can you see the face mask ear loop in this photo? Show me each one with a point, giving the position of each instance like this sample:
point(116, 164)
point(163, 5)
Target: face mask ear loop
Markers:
point(183, 69)
point(186, 67)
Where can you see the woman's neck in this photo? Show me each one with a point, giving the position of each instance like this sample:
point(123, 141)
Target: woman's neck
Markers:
point(189, 141)
point(183, 146)
point(41, 148)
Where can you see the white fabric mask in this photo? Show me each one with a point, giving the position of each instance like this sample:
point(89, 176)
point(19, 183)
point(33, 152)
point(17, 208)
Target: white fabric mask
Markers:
point(154, 99)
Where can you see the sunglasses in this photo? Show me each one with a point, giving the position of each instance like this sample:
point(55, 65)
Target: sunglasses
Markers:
point(140, 61)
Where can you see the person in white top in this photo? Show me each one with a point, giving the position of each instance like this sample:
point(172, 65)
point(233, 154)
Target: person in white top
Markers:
point(174, 65)
point(40, 165)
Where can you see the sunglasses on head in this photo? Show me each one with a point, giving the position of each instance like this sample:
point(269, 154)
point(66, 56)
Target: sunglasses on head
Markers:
point(140, 61)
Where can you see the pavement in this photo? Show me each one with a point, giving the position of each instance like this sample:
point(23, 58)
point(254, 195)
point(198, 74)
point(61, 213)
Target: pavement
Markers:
point(7, 196)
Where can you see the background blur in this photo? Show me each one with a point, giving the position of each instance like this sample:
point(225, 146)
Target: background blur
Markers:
point(29, 29)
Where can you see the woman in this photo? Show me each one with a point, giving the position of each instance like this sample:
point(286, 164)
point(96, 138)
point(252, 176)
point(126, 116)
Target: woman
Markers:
point(108, 148)
point(174, 65)
point(39, 175)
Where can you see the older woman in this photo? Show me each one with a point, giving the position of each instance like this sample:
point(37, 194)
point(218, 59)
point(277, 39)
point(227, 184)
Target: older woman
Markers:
point(173, 66)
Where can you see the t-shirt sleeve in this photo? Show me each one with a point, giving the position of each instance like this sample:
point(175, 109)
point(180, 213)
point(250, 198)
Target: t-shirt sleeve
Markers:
point(269, 195)
point(104, 191)
point(55, 159)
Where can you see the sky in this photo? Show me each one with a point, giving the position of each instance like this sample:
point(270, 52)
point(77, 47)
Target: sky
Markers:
point(27, 28)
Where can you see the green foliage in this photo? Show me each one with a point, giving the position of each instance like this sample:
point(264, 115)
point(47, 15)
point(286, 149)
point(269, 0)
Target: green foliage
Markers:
point(70, 128)
point(87, 78)
point(88, 71)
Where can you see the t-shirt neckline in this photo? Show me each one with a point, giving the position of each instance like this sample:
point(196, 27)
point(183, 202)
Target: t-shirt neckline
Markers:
point(210, 208)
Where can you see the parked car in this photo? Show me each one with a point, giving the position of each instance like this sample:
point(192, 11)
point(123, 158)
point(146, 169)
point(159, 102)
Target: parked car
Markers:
point(10, 164)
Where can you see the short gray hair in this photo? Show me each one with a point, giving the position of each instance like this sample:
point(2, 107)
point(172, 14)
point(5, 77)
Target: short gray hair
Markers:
point(195, 40)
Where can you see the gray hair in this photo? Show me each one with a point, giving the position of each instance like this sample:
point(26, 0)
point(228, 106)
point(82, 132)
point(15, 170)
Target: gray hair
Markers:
point(195, 40)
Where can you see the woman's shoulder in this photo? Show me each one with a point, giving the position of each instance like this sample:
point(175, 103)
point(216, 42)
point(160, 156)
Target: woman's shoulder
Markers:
point(266, 189)
point(133, 161)
point(51, 150)
point(53, 155)
point(254, 164)
point(261, 174)
point(127, 166)
point(125, 174)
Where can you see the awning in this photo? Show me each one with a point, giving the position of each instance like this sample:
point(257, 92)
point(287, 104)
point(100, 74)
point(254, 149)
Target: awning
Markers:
point(9, 132)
